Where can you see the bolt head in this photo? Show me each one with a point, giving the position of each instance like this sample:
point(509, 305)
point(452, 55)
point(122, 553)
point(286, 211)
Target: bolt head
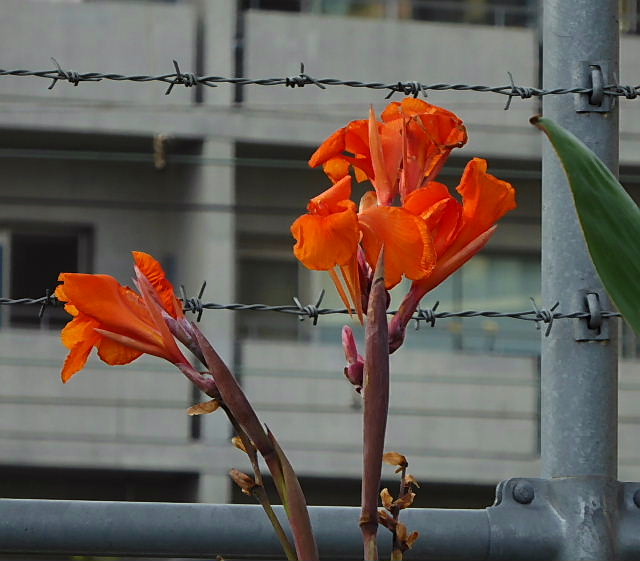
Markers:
point(524, 493)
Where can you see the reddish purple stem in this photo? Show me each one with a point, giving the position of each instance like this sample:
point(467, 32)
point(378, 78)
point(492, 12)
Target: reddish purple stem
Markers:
point(376, 406)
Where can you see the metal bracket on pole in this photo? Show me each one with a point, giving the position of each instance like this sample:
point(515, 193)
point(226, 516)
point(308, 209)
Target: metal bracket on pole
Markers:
point(595, 75)
point(594, 327)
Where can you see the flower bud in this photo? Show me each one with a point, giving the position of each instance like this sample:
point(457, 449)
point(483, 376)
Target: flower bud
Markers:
point(405, 501)
point(395, 459)
point(402, 532)
point(204, 408)
point(354, 371)
point(411, 539)
point(386, 520)
point(237, 442)
point(242, 480)
point(387, 499)
point(409, 481)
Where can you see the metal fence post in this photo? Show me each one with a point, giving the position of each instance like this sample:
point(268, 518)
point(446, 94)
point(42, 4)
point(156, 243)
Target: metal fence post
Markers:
point(579, 377)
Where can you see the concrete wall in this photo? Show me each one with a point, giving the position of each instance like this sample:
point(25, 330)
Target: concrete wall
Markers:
point(130, 417)
point(457, 418)
point(123, 38)
point(460, 417)
point(380, 51)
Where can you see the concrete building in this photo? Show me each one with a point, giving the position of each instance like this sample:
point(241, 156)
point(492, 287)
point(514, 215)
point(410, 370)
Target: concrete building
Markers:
point(209, 180)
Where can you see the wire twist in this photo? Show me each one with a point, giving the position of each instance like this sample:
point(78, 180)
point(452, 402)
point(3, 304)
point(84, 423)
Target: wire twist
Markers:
point(188, 80)
point(193, 305)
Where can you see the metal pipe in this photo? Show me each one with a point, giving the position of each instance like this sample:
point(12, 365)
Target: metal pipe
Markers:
point(579, 379)
point(200, 530)
point(579, 382)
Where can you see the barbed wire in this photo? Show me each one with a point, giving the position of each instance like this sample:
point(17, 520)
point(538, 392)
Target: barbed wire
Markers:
point(414, 88)
point(594, 315)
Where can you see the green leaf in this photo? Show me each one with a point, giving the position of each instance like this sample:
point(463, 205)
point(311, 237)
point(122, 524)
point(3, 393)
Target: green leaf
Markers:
point(609, 217)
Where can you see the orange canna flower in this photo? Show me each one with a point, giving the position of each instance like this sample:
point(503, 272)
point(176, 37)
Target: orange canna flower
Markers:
point(460, 230)
point(399, 154)
point(116, 320)
point(427, 238)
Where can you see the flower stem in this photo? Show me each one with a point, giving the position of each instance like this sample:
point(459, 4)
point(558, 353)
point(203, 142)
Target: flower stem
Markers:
point(376, 407)
point(261, 496)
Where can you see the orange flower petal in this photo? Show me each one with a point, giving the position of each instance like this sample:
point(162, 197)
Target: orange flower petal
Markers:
point(408, 107)
point(115, 353)
point(330, 200)
point(330, 148)
point(169, 346)
point(336, 168)
point(440, 210)
point(351, 275)
point(408, 247)
point(356, 139)
point(116, 307)
point(452, 262)
point(78, 329)
point(142, 346)
point(486, 199)
point(80, 336)
point(383, 183)
point(429, 134)
point(326, 241)
point(152, 269)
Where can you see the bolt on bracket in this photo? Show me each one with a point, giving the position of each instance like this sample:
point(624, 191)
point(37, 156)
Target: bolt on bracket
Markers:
point(595, 75)
point(594, 327)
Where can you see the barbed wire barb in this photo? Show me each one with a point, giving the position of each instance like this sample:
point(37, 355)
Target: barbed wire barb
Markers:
point(49, 299)
point(187, 80)
point(193, 305)
point(69, 75)
point(544, 316)
point(311, 310)
point(520, 91)
point(427, 316)
point(302, 79)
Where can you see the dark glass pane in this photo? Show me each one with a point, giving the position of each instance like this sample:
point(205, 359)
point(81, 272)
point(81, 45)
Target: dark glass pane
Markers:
point(36, 261)
point(267, 281)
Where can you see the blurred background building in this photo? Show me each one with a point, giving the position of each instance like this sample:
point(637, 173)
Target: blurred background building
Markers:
point(208, 180)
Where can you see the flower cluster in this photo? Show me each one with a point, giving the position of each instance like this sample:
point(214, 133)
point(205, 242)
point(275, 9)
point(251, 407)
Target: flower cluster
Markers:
point(427, 234)
point(124, 324)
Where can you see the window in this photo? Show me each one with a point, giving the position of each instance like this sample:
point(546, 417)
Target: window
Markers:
point(333, 491)
point(26, 482)
point(489, 282)
point(35, 255)
point(267, 274)
point(629, 11)
point(520, 13)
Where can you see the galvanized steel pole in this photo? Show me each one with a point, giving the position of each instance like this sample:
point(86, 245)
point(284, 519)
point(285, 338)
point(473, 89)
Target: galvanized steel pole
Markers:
point(579, 365)
point(579, 378)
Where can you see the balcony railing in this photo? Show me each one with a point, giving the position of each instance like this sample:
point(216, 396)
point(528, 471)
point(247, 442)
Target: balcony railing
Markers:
point(518, 13)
